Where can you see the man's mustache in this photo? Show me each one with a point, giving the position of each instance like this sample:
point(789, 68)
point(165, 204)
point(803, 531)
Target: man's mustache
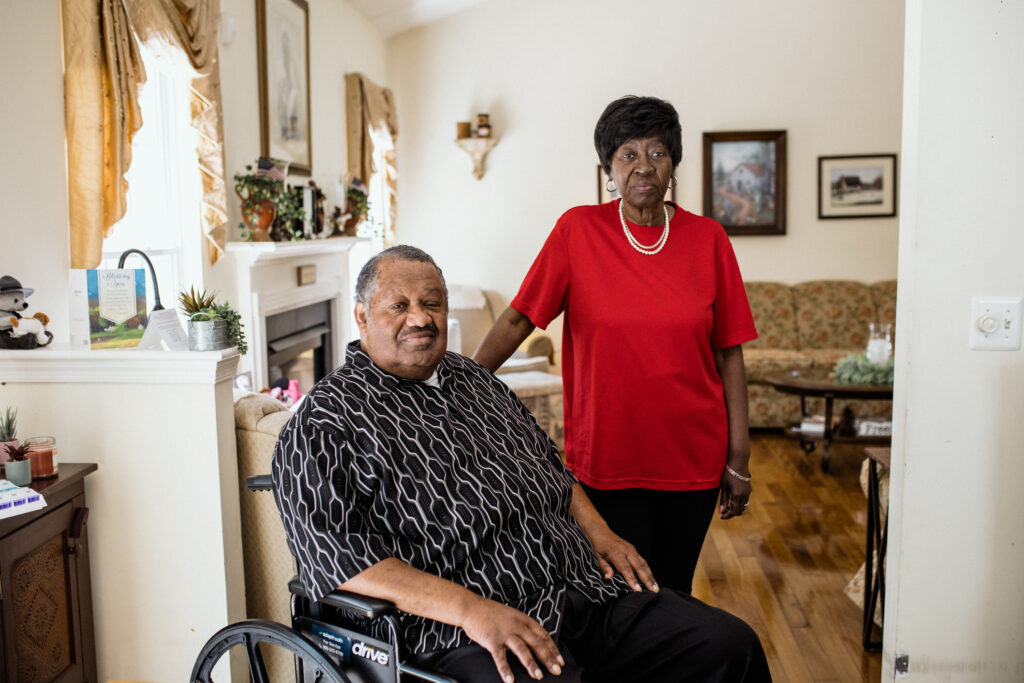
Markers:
point(417, 331)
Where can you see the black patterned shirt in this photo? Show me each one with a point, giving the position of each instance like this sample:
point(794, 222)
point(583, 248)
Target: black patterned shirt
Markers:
point(458, 481)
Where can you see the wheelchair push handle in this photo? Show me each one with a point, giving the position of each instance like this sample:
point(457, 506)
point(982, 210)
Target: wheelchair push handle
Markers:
point(258, 482)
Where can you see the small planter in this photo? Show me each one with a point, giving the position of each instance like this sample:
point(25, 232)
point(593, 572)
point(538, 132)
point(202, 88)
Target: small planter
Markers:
point(208, 335)
point(18, 472)
point(3, 450)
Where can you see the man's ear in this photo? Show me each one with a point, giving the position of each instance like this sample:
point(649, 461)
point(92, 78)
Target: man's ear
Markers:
point(360, 315)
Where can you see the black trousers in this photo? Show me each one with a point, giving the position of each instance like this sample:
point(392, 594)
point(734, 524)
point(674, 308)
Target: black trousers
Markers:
point(667, 527)
point(665, 637)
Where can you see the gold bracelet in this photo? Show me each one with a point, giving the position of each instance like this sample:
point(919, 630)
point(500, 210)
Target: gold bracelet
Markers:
point(736, 474)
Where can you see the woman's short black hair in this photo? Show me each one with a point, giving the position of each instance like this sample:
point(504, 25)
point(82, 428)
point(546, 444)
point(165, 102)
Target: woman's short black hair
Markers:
point(632, 117)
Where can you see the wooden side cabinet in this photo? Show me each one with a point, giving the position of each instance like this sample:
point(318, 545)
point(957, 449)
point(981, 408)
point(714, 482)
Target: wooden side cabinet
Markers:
point(46, 629)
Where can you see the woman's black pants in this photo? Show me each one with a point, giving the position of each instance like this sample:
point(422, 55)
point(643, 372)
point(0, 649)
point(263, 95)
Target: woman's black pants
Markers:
point(667, 527)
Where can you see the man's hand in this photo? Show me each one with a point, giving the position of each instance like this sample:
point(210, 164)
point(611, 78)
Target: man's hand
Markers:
point(616, 554)
point(498, 628)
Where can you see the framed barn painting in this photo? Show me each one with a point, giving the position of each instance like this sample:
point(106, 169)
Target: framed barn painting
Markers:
point(857, 186)
point(282, 28)
point(745, 181)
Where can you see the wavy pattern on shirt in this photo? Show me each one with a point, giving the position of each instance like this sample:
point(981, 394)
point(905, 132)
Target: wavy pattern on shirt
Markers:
point(458, 481)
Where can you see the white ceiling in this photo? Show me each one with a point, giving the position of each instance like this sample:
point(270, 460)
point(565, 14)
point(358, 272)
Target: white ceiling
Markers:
point(395, 16)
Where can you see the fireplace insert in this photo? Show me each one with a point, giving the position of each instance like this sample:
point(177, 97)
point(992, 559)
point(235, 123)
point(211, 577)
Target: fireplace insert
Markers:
point(299, 345)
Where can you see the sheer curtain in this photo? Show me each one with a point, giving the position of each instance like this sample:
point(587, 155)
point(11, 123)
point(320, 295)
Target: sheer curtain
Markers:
point(102, 74)
point(370, 108)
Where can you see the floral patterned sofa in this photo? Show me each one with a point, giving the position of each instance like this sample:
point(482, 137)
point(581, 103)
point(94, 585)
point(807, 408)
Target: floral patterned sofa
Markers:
point(810, 325)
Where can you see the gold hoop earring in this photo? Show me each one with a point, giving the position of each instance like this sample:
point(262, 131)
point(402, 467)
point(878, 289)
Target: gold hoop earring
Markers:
point(607, 183)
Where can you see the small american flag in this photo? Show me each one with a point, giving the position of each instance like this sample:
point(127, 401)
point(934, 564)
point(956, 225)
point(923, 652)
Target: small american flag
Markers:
point(267, 168)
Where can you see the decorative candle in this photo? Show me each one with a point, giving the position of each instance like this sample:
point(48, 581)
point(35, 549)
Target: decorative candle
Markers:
point(42, 452)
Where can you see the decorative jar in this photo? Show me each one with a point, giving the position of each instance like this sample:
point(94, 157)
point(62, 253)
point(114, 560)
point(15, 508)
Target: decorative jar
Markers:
point(879, 349)
point(42, 452)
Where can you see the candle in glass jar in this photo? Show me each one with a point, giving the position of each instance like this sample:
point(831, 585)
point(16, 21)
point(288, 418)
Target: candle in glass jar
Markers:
point(42, 453)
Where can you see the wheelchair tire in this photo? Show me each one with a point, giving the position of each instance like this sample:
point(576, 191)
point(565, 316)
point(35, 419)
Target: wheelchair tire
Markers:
point(250, 634)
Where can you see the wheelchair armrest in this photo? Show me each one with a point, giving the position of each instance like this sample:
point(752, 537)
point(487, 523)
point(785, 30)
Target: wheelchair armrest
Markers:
point(363, 605)
point(258, 482)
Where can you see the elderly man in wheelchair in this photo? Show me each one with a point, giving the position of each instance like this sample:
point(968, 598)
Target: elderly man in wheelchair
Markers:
point(415, 479)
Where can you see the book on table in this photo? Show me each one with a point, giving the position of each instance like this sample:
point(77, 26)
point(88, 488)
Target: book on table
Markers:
point(813, 424)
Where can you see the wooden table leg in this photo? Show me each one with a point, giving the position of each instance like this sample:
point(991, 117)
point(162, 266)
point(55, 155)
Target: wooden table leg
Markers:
point(826, 441)
point(874, 576)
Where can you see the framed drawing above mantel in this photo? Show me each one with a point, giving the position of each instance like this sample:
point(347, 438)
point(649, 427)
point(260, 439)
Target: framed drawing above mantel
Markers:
point(282, 28)
point(745, 181)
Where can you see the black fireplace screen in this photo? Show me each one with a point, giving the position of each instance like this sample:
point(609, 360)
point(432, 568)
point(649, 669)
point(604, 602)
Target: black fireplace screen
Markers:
point(299, 346)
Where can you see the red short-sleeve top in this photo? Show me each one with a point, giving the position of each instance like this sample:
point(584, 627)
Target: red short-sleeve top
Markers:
point(643, 405)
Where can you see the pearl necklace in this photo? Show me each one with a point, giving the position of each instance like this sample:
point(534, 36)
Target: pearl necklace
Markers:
point(654, 248)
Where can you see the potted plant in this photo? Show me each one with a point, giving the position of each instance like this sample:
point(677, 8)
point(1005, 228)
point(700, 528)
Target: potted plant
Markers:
point(18, 468)
point(259, 209)
point(290, 216)
point(270, 209)
point(8, 431)
point(211, 325)
point(357, 205)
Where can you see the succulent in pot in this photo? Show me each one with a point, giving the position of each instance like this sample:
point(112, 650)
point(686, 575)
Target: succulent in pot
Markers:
point(211, 325)
point(18, 468)
point(8, 430)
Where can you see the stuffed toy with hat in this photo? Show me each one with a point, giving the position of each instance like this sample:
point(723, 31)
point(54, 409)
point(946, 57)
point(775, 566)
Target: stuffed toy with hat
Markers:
point(17, 331)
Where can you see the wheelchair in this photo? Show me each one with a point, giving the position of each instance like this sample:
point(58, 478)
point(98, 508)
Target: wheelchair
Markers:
point(324, 638)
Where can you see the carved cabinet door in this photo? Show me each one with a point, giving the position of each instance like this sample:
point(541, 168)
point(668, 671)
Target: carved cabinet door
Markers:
point(40, 617)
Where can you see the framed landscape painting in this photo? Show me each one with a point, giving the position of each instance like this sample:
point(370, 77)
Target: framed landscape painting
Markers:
point(282, 28)
point(857, 186)
point(745, 181)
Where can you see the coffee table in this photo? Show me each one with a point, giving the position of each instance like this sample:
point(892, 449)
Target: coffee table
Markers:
point(816, 383)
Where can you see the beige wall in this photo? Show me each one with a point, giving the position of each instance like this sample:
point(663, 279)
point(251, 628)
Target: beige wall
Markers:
point(33, 180)
point(955, 599)
point(829, 73)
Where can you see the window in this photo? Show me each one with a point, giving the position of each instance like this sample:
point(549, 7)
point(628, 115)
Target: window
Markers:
point(164, 188)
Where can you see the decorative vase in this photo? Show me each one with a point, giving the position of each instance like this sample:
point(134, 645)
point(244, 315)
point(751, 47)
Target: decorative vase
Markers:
point(18, 472)
point(258, 217)
point(208, 335)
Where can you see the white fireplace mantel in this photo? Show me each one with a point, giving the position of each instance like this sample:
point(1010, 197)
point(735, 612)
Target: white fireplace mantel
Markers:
point(267, 279)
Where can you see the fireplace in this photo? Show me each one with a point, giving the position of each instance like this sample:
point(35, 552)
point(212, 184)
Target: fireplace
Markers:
point(298, 331)
point(299, 345)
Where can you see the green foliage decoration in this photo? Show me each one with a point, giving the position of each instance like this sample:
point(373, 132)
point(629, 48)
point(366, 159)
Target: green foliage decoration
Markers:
point(254, 188)
point(358, 201)
point(9, 424)
point(201, 306)
point(290, 214)
point(857, 369)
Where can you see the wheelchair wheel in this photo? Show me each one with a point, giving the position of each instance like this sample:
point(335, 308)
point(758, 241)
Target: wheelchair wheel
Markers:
point(249, 634)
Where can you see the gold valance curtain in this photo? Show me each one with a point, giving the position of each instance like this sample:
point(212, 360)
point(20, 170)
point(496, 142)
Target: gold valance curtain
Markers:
point(102, 73)
point(371, 107)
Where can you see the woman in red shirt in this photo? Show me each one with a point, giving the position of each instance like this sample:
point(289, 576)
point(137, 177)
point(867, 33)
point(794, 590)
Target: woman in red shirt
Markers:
point(655, 313)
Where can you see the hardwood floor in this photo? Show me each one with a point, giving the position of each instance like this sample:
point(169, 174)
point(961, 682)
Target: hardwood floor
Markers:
point(783, 565)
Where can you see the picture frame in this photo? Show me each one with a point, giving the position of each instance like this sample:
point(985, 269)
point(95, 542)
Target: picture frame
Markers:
point(282, 28)
point(745, 181)
point(857, 186)
point(603, 195)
